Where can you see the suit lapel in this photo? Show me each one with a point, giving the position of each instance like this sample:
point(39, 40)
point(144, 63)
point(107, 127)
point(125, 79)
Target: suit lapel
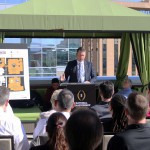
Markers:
point(85, 69)
point(75, 68)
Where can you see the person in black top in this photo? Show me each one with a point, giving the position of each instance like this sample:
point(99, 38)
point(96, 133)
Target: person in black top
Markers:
point(106, 91)
point(137, 134)
point(118, 123)
point(84, 130)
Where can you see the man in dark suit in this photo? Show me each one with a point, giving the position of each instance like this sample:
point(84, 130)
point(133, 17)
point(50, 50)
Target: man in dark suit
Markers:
point(79, 70)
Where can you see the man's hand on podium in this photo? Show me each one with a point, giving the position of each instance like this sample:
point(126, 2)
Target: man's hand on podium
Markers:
point(87, 82)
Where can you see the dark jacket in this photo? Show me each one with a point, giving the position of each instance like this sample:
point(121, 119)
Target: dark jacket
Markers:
point(102, 110)
point(71, 71)
point(135, 137)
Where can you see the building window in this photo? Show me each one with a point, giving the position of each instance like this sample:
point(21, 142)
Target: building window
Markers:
point(47, 55)
point(73, 45)
point(104, 56)
point(145, 11)
point(115, 55)
point(62, 57)
point(72, 54)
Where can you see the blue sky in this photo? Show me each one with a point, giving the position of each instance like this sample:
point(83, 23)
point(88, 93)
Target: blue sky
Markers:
point(12, 1)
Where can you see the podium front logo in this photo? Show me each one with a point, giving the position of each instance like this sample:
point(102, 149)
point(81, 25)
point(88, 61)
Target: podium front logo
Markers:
point(81, 95)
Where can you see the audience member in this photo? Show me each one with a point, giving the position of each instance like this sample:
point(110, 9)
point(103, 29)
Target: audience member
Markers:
point(41, 124)
point(62, 101)
point(84, 130)
point(106, 90)
point(118, 122)
point(137, 134)
point(55, 131)
point(10, 124)
point(126, 88)
point(54, 86)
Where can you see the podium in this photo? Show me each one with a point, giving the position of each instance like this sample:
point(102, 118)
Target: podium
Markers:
point(84, 94)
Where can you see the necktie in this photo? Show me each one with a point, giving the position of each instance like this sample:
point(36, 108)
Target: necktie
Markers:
point(81, 76)
point(79, 72)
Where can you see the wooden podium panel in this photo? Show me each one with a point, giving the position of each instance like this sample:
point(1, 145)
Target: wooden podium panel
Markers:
point(84, 94)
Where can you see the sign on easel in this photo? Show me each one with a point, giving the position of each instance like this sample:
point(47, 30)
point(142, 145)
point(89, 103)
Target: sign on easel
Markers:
point(14, 70)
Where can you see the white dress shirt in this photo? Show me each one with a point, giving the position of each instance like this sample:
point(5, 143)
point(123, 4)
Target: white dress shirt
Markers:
point(11, 125)
point(41, 125)
point(9, 110)
point(81, 71)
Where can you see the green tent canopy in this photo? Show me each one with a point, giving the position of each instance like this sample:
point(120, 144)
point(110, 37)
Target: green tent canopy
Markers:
point(71, 18)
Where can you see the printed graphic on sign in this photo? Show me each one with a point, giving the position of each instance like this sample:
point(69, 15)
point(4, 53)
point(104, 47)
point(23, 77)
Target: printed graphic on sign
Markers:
point(14, 72)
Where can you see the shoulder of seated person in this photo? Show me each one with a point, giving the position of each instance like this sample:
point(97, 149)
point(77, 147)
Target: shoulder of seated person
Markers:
point(46, 114)
point(9, 118)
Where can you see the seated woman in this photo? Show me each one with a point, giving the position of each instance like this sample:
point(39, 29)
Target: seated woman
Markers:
point(119, 120)
point(55, 131)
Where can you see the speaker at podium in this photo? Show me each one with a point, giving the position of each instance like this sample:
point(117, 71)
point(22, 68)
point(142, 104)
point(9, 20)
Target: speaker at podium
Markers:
point(84, 94)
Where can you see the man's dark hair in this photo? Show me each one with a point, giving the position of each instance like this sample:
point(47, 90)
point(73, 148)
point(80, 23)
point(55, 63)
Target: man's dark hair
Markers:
point(65, 99)
point(137, 106)
point(55, 80)
point(84, 130)
point(81, 49)
point(106, 89)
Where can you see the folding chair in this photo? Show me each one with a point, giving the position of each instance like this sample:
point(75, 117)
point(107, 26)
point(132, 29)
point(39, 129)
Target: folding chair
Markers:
point(106, 138)
point(6, 142)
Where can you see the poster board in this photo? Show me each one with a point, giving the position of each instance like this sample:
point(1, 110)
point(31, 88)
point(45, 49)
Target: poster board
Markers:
point(14, 70)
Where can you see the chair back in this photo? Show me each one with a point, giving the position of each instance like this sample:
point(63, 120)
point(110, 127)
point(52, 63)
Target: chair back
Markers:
point(106, 138)
point(43, 139)
point(6, 142)
point(40, 140)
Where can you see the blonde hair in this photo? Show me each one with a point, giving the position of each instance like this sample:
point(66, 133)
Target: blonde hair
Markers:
point(54, 96)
